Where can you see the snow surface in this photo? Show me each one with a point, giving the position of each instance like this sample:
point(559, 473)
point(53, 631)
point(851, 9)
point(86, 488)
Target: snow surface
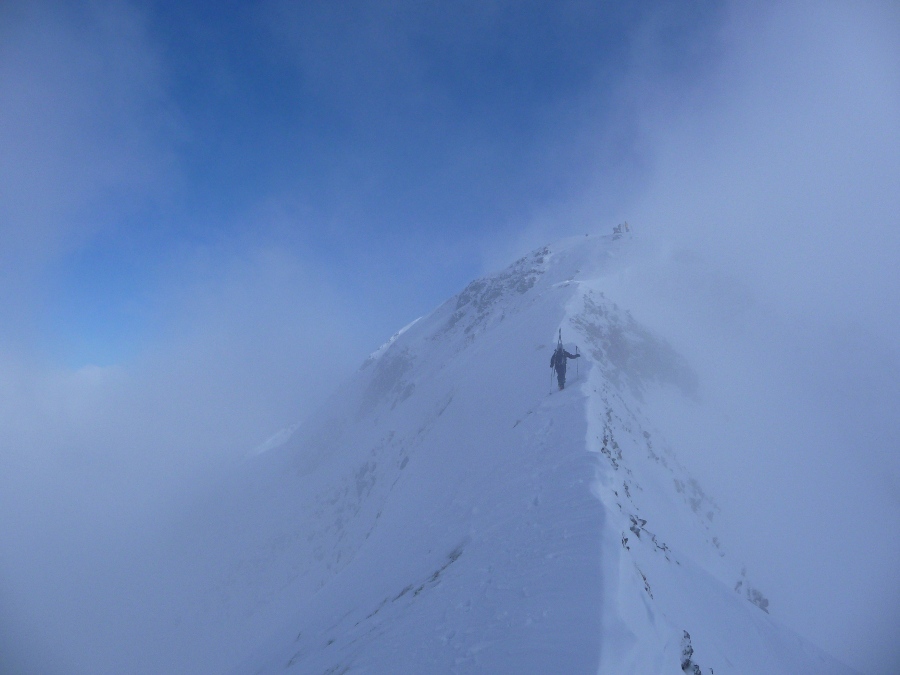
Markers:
point(450, 511)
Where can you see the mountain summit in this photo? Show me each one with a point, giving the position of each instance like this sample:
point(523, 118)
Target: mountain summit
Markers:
point(451, 511)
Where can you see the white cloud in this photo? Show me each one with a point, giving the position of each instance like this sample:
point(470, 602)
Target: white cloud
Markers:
point(773, 201)
point(85, 134)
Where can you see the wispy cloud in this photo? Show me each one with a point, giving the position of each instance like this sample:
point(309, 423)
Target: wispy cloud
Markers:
point(85, 130)
point(773, 201)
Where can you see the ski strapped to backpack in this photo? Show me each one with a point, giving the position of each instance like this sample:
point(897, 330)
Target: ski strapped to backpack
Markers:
point(561, 352)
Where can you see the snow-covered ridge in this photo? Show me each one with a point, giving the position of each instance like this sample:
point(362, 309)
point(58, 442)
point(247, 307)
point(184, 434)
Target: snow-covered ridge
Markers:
point(374, 356)
point(450, 511)
point(276, 440)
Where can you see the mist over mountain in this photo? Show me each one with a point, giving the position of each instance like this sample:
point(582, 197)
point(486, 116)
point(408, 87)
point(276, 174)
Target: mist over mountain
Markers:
point(211, 216)
point(450, 509)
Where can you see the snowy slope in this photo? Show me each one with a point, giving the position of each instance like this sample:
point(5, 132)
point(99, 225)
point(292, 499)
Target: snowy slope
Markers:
point(451, 512)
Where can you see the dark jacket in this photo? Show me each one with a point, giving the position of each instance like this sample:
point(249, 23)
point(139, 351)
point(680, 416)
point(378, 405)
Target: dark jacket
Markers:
point(560, 358)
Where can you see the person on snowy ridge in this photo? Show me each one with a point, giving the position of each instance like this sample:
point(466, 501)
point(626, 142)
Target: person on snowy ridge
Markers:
point(558, 362)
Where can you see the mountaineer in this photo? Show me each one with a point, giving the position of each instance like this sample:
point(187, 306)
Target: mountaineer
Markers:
point(558, 362)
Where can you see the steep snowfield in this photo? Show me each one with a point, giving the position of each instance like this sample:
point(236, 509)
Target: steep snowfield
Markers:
point(450, 511)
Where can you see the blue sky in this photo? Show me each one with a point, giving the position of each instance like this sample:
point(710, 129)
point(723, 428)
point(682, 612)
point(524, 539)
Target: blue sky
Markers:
point(373, 143)
point(210, 213)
